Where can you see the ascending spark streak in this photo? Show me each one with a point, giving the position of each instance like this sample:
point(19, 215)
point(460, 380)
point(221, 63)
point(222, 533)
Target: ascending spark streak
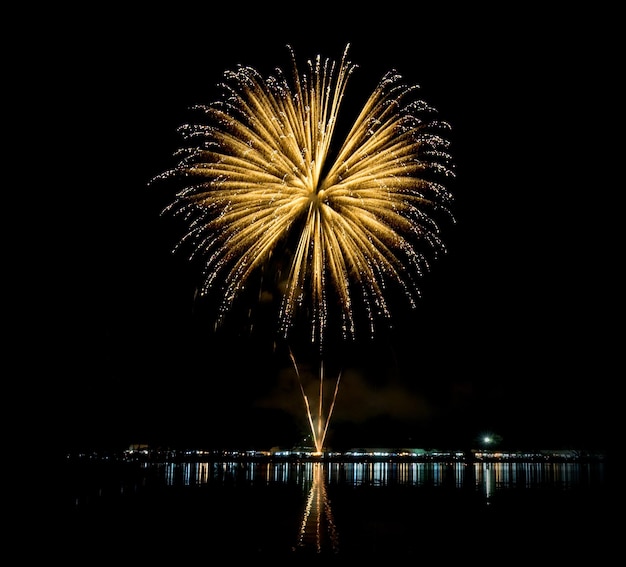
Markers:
point(319, 432)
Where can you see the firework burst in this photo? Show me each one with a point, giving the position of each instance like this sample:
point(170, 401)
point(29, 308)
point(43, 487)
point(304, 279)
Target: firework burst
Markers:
point(263, 177)
point(260, 179)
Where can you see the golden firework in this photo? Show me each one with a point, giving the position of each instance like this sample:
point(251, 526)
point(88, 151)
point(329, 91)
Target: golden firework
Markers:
point(265, 179)
point(260, 172)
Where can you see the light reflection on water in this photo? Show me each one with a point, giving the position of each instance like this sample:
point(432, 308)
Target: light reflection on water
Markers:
point(490, 477)
point(318, 531)
point(484, 477)
point(350, 507)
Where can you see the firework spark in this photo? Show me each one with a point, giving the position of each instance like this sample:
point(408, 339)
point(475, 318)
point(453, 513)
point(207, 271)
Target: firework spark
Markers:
point(264, 178)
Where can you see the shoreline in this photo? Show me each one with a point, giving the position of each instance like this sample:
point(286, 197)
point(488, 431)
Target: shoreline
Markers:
point(149, 455)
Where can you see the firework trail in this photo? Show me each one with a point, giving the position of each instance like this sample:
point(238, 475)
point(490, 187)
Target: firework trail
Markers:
point(319, 427)
point(264, 178)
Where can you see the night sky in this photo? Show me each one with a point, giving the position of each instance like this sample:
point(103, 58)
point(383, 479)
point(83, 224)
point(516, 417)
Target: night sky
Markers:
point(513, 334)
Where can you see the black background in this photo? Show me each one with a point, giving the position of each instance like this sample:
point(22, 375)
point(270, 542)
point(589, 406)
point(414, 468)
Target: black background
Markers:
point(516, 331)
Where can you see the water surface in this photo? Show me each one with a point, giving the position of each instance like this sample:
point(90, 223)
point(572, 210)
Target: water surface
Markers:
point(428, 510)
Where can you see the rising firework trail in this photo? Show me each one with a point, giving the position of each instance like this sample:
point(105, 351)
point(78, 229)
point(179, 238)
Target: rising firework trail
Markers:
point(264, 179)
point(319, 424)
